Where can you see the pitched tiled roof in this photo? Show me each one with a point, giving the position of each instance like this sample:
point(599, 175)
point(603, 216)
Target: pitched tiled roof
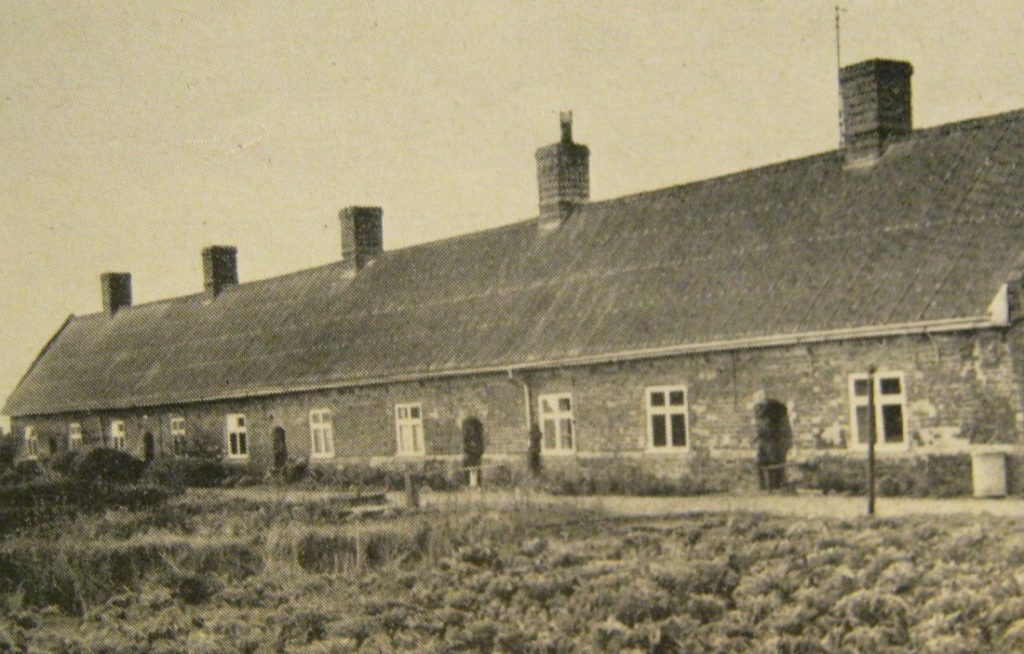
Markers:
point(928, 233)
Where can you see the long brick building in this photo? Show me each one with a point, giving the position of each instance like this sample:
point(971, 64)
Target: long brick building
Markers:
point(645, 326)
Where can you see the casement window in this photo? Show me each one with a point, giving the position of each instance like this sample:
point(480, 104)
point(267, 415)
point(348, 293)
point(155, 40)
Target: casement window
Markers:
point(74, 436)
point(890, 410)
point(409, 426)
point(321, 434)
point(118, 435)
point(667, 418)
point(179, 438)
point(238, 436)
point(31, 443)
point(557, 423)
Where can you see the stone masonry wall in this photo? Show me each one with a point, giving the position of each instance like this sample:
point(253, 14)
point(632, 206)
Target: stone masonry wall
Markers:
point(959, 386)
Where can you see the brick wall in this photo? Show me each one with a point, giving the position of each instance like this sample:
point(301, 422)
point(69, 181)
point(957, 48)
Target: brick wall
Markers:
point(954, 382)
point(956, 385)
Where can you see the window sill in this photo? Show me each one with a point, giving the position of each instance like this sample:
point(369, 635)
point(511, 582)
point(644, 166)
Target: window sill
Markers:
point(879, 447)
point(237, 457)
point(321, 457)
point(685, 449)
point(410, 455)
point(558, 452)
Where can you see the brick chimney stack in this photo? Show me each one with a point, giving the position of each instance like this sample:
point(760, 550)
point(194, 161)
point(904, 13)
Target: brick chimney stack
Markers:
point(116, 290)
point(362, 236)
point(563, 177)
point(876, 107)
point(220, 268)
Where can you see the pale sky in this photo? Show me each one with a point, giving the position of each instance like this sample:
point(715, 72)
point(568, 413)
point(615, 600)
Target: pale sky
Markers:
point(132, 134)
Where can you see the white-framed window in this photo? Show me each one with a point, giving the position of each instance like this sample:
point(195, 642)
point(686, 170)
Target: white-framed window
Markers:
point(668, 422)
point(179, 437)
point(31, 443)
point(890, 410)
point(321, 434)
point(74, 436)
point(238, 436)
point(409, 429)
point(118, 435)
point(557, 423)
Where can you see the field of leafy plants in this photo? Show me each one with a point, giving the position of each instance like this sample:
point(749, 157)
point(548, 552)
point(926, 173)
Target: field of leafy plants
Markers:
point(211, 573)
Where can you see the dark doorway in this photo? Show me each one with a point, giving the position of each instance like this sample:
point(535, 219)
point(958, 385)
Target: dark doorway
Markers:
point(472, 441)
point(473, 448)
point(774, 438)
point(148, 447)
point(280, 447)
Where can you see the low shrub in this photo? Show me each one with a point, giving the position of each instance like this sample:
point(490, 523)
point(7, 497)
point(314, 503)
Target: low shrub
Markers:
point(107, 465)
point(351, 475)
point(8, 451)
point(41, 501)
point(293, 471)
point(66, 462)
point(242, 475)
point(935, 475)
point(502, 476)
point(436, 475)
point(188, 472)
point(622, 478)
point(833, 474)
point(437, 481)
point(363, 475)
point(29, 470)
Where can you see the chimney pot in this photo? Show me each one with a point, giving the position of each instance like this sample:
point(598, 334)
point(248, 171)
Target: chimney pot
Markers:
point(220, 268)
point(116, 290)
point(876, 107)
point(565, 118)
point(362, 236)
point(563, 177)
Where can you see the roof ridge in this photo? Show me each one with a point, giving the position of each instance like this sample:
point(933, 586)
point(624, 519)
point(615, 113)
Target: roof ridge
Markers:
point(463, 236)
point(942, 129)
point(966, 124)
point(198, 294)
point(719, 179)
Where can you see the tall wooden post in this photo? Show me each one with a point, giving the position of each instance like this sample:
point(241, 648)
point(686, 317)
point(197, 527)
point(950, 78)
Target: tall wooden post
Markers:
point(871, 441)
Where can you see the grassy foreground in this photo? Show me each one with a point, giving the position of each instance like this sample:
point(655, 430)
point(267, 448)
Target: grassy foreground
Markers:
point(227, 574)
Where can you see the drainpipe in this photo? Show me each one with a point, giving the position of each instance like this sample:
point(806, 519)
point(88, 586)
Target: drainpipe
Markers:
point(527, 399)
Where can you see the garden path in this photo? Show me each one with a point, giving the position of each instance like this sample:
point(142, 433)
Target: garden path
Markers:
point(839, 506)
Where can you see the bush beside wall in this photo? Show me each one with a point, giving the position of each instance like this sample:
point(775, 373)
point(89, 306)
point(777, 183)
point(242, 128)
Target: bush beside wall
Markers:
point(621, 476)
point(108, 465)
point(438, 475)
point(188, 472)
point(935, 475)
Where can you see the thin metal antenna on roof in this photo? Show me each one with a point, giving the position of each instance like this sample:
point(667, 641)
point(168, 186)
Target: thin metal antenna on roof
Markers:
point(839, 86)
